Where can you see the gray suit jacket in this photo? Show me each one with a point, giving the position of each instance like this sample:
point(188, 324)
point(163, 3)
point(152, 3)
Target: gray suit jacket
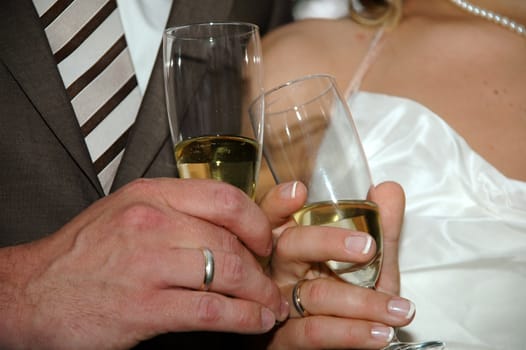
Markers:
point(46, 175)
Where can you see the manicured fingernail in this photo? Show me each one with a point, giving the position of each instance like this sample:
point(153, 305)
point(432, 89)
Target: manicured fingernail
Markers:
point(401, 307)
point(385, 334)
point(359, 244)
point(285, 308)
point(267, 319)
point(288, 191)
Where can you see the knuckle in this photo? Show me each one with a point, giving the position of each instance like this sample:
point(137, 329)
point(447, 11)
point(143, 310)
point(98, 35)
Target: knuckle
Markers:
point(233, 269)
point(209, 308)
point(139, 186)
point(285, 243)
point(246, 319)
point(140, 216)
point(374, 304)
point(355, 335)
point(313, 333)
point(314, 291)
point(230, 198)
point(230, 243)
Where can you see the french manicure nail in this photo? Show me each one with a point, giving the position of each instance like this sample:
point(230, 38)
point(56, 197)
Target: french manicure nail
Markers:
point(385, 334)
point(401, 307)
point(359, 244)
point(288, 191)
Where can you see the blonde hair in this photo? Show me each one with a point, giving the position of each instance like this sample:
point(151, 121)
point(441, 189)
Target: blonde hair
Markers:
point(376, 13)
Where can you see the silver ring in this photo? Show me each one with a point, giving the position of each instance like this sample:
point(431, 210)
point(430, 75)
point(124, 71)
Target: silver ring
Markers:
point(296, 299)
point(209, 269)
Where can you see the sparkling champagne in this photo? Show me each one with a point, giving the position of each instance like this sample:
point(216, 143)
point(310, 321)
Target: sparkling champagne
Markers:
point(233, 159)
point(355, 215)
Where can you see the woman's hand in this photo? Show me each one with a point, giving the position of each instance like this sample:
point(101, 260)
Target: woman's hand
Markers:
point(340, 315)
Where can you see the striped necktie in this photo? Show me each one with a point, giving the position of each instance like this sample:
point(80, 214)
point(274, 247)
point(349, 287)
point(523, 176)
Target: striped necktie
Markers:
point(88, 43)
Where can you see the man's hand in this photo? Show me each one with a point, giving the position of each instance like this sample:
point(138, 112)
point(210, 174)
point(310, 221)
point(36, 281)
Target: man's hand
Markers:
point(131, 265)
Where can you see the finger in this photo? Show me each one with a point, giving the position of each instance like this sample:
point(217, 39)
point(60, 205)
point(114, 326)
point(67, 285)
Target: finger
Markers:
point(184, 231)
point(243, 275)
point(211, 200)
point(321, 243)
point(325, 296)
point(391, 202)
point(282, 201)
point(148, 227)
point(323, 332)
point(232, 275)
point(175, 310)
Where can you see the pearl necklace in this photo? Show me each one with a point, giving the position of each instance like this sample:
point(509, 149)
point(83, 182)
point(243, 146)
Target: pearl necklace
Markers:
point(491, 16)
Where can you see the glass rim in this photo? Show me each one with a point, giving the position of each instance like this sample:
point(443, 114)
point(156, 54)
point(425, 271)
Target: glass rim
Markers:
point(169, 32)
point(330, 78)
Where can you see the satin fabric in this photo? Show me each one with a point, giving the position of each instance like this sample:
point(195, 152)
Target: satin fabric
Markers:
point(463, 245)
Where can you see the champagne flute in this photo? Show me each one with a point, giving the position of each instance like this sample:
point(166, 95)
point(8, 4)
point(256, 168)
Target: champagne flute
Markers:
point(310, 137)
point(212, 72)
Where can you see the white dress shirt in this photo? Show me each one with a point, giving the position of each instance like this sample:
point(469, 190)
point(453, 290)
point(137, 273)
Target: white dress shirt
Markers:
point(144, 22)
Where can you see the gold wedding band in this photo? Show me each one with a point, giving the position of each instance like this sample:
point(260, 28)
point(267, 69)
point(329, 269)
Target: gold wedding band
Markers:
point(209, 269)
point(296, 299)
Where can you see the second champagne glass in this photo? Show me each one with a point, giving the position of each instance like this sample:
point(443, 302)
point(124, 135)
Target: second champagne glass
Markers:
point(212, 71)
point(310, 137)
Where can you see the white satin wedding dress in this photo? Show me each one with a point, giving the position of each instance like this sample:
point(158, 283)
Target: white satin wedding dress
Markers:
point(463, 245)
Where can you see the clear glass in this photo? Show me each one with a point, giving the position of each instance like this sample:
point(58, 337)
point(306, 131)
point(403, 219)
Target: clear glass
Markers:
point(310, 136)
point(212, 72)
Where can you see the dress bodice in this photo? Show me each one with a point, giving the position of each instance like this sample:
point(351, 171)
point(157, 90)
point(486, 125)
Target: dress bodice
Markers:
point(463, 245)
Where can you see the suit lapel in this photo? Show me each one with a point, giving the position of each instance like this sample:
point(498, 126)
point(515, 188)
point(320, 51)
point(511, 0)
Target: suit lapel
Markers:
point(150, 131)
point(25, 52)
